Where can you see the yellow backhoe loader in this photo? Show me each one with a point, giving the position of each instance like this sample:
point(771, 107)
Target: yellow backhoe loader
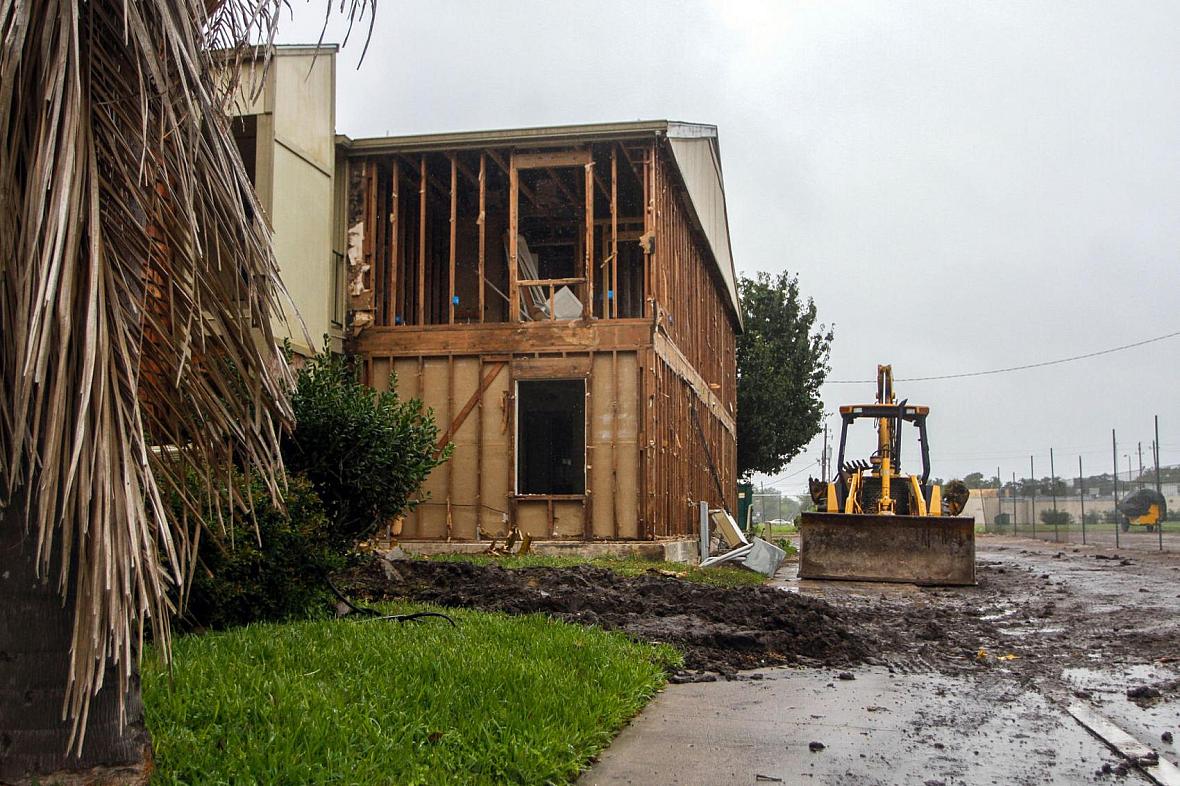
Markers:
point(874, 523)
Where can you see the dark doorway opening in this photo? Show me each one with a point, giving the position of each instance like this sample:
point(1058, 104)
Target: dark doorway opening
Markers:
point(551, 437)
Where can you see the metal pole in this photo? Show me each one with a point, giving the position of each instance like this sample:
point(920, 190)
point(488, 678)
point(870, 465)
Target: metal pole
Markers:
point(704, 545)
point(1032, 489)
point(1082, 497)
point(1114, 451)
point(1140, 464)
point(1053, 491)
point(999, 488)
point(824, 468)
point(1155, 449)
point(1013, 503)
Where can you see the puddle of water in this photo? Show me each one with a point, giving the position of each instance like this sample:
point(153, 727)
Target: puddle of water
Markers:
point(999, 616)
point(1028, 631)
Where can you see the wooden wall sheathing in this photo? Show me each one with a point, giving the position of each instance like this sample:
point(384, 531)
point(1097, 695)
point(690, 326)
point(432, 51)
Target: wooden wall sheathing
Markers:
point(417, 230)
point(473, 491)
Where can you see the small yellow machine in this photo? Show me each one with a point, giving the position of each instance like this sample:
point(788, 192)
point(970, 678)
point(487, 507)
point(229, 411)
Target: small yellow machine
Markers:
point(1145, 508)
point(874, 523)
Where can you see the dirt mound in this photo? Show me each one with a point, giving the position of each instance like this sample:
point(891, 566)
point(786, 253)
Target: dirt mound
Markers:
point(718, 629)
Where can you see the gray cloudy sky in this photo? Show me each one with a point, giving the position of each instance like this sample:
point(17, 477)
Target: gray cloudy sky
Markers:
point(959, 186)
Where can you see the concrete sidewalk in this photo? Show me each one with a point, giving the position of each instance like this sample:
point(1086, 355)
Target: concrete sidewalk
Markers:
point(879, 728)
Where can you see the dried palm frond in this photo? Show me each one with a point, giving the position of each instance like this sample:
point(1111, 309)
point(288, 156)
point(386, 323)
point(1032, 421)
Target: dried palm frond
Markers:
point(137, 288)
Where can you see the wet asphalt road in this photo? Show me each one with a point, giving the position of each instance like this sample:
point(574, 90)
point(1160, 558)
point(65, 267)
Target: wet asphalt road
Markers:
point(1108, 621)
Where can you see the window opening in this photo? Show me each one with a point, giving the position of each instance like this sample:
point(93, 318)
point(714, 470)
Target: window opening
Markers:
point(551, 436)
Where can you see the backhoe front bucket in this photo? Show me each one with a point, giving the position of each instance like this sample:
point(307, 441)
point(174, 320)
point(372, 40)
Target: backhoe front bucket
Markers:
point(909, 549)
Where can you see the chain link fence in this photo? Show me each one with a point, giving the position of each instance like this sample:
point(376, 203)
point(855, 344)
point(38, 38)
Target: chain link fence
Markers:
point(1091, 520)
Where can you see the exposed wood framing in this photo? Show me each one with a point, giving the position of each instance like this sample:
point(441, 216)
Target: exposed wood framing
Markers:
point(483, 230)
point(513, 249)
point(645, 376)
point(422, 174)
point(588, 256)
point(454, 227)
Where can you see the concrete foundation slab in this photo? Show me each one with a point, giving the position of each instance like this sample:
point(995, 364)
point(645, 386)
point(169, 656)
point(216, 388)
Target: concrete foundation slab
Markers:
point(673, 550)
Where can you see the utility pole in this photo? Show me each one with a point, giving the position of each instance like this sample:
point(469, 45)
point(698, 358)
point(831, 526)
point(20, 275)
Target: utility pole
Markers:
point(1141, 464)
point(1082, 497)
point(1013, 503)
point(1130, 472)
point(1114, 452)
point(824, 466)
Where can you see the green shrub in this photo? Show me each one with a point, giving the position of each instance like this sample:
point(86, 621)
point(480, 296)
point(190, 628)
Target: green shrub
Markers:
point(263, 563)
point(1001, 519)
point(366, 453)
point(1056, 518)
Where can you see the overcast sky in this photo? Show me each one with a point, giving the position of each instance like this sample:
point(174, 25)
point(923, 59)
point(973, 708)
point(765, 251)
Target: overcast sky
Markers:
point(960, 187)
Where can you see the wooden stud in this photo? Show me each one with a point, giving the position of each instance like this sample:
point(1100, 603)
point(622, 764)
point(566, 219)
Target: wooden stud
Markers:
point(479, 457)
point(590, 450)
point(395, 232)
point(450, 416)
point(422, 174)
point(614, 444)
point(513, 229)
point(614, 234)
point(588, 251)
point(483, 230)
point(454, 224)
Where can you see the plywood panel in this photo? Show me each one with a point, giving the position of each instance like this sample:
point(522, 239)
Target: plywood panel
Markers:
point(567, 519)
point(432, 517)
point(532, 517)
point(463, 465)
point(379, 370)
point(495, 480)
point(406, 370)
point(603, 425)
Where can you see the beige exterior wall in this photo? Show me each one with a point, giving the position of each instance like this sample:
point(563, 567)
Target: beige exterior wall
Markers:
point(295, 164)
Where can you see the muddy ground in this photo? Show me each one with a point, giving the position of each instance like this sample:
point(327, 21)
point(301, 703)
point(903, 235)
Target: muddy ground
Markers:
point(1024, 617)
point(1048, 626)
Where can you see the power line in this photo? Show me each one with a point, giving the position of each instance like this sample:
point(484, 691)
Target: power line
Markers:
point(1042, 364)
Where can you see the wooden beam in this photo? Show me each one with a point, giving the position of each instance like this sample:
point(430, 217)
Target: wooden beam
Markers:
point(454, 224)
point(505, 337)
point(551, 159)
point(565, 191)
point(457, 422)
point(431, 179)
point(483, 229)
point(499, 160)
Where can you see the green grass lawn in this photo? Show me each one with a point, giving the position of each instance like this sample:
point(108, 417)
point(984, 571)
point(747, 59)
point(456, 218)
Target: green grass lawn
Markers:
point(497, 699)
point(720, 576)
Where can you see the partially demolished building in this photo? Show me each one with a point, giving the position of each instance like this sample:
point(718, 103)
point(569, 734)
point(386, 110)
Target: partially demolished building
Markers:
point(564, 299)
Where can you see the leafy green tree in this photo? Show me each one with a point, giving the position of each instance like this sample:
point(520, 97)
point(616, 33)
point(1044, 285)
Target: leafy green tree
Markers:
point(974, 480)
point(782, 359)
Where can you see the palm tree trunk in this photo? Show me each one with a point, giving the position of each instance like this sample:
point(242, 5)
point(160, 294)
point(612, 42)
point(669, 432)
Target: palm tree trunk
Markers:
point(34, 664)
